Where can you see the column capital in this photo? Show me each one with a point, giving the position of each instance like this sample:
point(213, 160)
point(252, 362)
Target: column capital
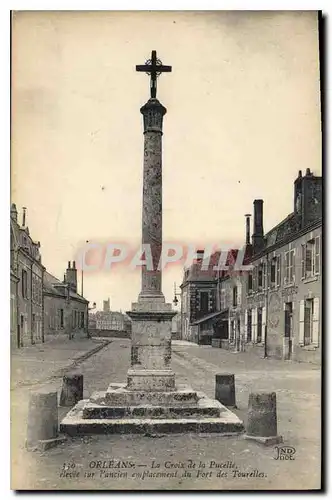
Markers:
point(153, 112)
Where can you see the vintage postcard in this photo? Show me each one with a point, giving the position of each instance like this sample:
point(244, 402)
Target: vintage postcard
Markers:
point(166, 250)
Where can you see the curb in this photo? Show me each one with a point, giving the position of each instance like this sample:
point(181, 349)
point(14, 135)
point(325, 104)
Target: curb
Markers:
point(82, 358)
point(59, 373)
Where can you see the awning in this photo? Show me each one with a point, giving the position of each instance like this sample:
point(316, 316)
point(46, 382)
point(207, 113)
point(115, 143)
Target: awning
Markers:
point(214, 315)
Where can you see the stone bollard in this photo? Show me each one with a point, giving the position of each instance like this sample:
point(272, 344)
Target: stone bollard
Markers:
point(72, 389)
point(225, 389)
point(42, 429)
point(262, 418)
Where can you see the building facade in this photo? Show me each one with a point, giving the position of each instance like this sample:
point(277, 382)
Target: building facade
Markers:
point(65, 311)
point(26, 285)
point(276, 309)
point(272, 306)
point(110, 320)
point(198, 299)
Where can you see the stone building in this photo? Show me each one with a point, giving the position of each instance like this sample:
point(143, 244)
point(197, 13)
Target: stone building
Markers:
point(277, 305)
point(65, 311)
point(198, 300)
point(229, 324)
point(26, 284)
point(110, 320)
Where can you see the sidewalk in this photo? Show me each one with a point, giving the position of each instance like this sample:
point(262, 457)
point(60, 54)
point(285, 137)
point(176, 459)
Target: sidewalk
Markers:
point(42, 362)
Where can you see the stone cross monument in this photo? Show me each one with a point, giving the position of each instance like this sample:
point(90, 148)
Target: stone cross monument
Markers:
point(151, 316)
point(150, 399)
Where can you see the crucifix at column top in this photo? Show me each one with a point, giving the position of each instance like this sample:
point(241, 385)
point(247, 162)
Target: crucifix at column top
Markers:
point(154, 68)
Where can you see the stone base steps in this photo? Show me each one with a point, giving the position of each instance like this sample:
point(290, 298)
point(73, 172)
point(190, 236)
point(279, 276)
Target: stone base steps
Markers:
point(75, 424)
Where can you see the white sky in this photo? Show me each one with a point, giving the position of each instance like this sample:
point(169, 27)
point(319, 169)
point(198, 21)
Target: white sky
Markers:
point(243, 118)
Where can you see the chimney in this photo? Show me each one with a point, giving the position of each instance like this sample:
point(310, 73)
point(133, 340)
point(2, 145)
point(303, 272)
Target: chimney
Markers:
point(71, 277)
point(200, 254)
point(24, 215)
point(13, 212)
point(258, 234)
point(247, 216)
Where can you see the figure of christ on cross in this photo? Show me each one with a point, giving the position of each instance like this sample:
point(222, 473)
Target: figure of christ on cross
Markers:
point(154, 68)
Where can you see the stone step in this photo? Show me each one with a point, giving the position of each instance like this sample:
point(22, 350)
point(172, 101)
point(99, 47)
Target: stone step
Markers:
point(74, 424)
point(147, 411)
point(119, 395)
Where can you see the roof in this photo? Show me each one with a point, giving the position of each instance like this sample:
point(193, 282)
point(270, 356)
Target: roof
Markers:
point(291, 224)
point(286, 231)
point(195, 273)
point(54, 286)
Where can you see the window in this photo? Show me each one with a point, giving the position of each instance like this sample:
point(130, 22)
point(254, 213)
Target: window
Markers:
point(260, 276)
point(273, 272)
point(74, 318)
point(82, 319)
point(24, 284)
point(259, 324)
point(204, 303)
point(235, 296)
point(310, 258)
point(249, 326)
point(250, 287)
point(61, 318)
point(289, 267)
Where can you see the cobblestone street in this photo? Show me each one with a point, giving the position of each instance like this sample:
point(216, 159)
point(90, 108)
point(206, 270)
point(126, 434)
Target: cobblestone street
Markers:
point(298, 397)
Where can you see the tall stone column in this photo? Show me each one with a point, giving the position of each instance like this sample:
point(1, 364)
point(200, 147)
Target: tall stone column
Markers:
point(151, 316)
point(153, 113)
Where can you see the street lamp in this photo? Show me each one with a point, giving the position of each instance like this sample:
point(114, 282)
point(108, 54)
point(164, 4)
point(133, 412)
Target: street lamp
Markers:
point(90, 309)
point(175, 302)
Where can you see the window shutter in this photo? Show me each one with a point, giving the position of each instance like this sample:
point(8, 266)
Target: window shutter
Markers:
point(254, 325)
point(254, 279)
point(239, 294)
point(263, 323)
point(303, 254)
point(317, 255)
point(286, 267)
point(278, 264)
point(265, 275)
point(315, 323)
point(292, 266)
point(246, 325)
point(301, 324)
